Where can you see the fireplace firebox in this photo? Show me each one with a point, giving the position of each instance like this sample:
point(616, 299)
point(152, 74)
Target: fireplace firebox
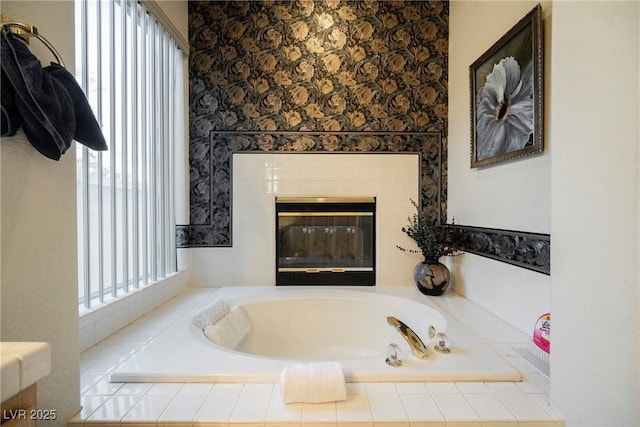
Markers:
point(325, 241)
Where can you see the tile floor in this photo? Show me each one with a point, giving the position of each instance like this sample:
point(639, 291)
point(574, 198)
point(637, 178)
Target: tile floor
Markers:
point(503, 404)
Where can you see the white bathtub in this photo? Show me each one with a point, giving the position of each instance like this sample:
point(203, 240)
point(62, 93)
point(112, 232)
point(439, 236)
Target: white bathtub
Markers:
point(305, 324)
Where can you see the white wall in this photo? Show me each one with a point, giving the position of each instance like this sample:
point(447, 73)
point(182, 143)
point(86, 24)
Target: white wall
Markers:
point(177, 12)
point(584, 190)
point(38, 268)
point(38, 205)
point(512, 195)
point(595, 130)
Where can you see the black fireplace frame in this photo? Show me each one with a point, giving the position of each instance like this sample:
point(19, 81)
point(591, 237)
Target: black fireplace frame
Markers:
point(337, 277)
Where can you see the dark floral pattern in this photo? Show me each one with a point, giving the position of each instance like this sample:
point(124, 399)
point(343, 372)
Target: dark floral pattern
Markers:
point(330, 65)
point(528, 250)
point(182, 236)
point(340, 75)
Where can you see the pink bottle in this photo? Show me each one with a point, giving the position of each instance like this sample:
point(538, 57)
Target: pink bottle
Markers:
point(542, 332)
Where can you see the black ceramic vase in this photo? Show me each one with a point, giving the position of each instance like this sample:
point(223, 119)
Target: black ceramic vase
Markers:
point(432, 277)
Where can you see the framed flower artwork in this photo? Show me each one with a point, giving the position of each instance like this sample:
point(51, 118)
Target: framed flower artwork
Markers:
point(507, 95)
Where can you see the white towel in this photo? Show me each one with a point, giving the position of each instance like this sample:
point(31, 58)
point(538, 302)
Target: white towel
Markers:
point(231, 330)
point(313, 382)
point(211, 314)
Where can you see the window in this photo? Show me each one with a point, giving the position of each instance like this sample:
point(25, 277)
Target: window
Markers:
point(131, 70)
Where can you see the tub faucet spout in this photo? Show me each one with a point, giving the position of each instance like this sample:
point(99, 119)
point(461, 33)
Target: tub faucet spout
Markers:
point(418, 348)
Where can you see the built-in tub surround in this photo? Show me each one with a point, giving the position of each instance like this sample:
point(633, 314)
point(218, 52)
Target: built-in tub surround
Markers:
point(258, 177)
point(322, 324)
point(401, 404)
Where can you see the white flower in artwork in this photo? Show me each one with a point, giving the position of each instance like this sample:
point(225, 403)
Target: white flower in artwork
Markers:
point(504, 118)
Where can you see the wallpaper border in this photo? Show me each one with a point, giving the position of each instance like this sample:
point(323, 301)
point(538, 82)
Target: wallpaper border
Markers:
point(211, 180)
point(531, 251)
point(523, 249)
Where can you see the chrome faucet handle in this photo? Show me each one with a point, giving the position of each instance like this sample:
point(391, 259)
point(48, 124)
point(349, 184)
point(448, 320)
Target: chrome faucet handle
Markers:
point(393, 355)
point(418, 348)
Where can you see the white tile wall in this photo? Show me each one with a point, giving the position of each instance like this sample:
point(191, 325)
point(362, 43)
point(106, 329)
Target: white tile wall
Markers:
point(418, 404)
point(259, 177)
point(103, 321)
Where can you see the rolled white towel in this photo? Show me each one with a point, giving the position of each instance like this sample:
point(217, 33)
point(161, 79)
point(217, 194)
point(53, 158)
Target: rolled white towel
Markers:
point(211, 314)
point(231, 330)
point(313, 382)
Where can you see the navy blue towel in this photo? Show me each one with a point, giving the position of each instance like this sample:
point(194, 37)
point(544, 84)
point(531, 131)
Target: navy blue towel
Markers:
point(52, 107)
point(43, 103)
point(11, 120)
point(88, 130)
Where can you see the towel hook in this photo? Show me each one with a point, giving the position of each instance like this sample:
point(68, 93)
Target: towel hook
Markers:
point(30, 29)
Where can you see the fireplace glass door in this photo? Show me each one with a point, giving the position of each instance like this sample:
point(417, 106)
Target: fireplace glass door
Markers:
point(325, 241)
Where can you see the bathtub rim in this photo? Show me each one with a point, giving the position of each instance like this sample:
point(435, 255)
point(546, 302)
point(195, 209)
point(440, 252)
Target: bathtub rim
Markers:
point(503, 372)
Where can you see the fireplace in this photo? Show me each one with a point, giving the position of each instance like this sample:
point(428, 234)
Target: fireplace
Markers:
point(325, 241)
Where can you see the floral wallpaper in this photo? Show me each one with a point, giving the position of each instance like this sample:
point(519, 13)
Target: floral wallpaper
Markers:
point(320, 67)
